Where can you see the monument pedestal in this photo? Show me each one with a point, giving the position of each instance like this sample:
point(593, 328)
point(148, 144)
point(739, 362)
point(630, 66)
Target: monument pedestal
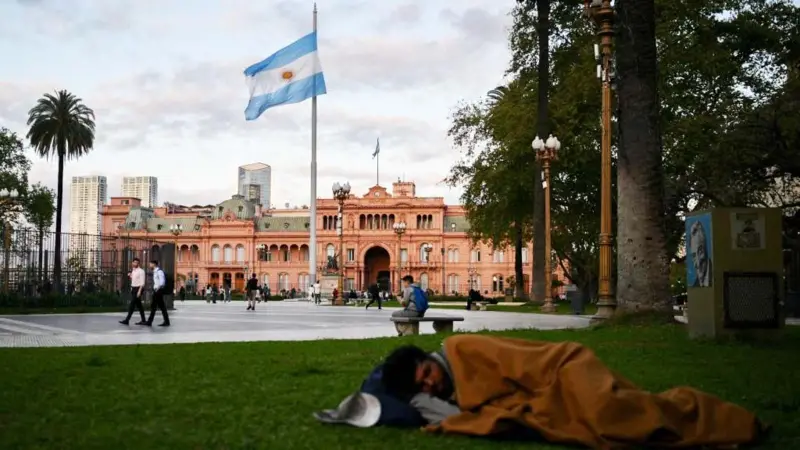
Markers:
point(327, 283)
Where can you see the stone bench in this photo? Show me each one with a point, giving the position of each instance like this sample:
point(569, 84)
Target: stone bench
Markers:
point(408, 326)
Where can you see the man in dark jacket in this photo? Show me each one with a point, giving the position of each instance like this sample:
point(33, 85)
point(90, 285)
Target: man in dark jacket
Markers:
point(374, 295)
point(252, 289)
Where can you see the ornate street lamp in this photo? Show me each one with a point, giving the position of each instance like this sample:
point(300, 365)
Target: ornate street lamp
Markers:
point(176, 230)
point(472, 271)
point(547, 151)
point(10, 198)
point(602, 13)
point(399, 230)
point(341, 192)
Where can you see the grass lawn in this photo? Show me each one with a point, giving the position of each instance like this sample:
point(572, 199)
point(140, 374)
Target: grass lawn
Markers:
point(62, 310)
point(261, 395)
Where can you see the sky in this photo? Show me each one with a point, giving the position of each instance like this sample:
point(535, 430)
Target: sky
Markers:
point(165, 80)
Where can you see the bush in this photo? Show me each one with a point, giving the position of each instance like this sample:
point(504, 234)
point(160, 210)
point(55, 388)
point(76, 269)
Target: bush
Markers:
point(54, 300)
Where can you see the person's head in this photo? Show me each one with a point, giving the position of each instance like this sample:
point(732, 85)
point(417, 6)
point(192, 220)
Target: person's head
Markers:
point(135, 263)
point(698, 247)
point(409, 370)
point(153, 264)
point(253, 277)
point(407, 281)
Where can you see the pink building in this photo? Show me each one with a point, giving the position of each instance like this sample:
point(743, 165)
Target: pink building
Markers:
point(227, 242)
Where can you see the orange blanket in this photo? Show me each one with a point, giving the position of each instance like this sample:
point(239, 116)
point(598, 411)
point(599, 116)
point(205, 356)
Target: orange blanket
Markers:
point(566, 394)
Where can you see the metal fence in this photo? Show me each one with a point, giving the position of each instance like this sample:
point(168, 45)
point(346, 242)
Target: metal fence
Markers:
point(89, 263)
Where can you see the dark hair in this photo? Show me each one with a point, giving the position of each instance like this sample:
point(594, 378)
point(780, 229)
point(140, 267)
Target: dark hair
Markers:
point(400, 371)
point(408, 278)
point(154, 261)
point(136, 260)
point(254, 275)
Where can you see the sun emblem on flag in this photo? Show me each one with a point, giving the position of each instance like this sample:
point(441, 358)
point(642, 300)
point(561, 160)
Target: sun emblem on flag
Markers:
point(287, 75)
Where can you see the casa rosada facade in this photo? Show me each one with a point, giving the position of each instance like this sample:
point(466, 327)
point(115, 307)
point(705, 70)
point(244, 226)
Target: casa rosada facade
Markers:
point(227, 242)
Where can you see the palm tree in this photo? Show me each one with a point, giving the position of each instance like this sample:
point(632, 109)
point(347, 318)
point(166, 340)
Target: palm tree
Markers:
point(642, 263)
point(61, 126)
point(496, 96)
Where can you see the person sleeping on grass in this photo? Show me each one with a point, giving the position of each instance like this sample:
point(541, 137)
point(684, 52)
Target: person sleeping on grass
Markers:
point(556, 391)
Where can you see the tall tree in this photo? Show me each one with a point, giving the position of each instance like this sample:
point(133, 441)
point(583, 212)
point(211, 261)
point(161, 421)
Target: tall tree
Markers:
point(61, 126)
point(642, 262)
point(14, 167)
point(39, 210)
point(496, 96)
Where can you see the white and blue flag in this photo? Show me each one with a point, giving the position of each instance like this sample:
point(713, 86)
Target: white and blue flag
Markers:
point(291, 75)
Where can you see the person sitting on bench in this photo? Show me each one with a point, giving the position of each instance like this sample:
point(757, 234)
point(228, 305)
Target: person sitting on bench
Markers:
point(408, 300)
point(558, 391)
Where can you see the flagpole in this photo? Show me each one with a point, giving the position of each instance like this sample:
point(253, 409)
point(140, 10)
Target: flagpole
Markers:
point(378, 169)
point(312, 241)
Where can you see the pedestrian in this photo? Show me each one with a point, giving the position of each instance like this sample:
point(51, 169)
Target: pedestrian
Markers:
point(317, 293)
point(252, 290)
point(137, 277)
point(159, 283)
point(374, 296)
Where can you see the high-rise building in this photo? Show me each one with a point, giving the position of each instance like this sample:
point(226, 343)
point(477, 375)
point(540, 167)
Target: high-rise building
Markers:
point(256, 177)
point(86, 200)
point(143, 188)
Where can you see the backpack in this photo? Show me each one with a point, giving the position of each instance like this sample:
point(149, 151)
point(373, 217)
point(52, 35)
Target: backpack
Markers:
point(420, 299)
point(394, 412)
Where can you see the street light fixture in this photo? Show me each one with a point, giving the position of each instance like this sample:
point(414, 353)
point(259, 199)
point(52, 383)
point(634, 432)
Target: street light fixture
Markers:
point(176, 229)
point(341, 192)
point(547, 151)
point(399, 230)
point(11, 198)
point(602, 13)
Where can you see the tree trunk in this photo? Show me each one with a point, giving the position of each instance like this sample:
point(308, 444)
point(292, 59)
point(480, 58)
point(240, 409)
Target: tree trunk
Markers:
point(59, 207)
point(643, 269)
point(519, 275)
point(542, 129)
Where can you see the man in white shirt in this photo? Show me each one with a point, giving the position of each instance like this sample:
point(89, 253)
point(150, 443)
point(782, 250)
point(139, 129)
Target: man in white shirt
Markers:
point(137, 277)
point(317, 293)
point(159, 283)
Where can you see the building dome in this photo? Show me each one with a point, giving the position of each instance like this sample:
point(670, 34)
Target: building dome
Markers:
point(238, 206)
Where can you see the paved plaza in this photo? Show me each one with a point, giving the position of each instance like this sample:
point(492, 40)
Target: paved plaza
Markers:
point(198, 321)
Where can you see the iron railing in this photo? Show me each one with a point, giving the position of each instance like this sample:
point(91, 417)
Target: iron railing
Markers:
point(89, 263)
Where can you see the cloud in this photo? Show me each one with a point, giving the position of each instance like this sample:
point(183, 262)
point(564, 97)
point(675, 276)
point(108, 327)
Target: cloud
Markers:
point(478, 24)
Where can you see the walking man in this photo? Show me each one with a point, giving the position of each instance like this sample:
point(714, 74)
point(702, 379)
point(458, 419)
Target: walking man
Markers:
point(374, 295)
point(317, 293)
point(137, 285)
point(252, 290)
point(159, 283)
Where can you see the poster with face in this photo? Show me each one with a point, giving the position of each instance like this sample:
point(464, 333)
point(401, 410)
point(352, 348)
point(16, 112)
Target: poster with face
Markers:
point(699, 265)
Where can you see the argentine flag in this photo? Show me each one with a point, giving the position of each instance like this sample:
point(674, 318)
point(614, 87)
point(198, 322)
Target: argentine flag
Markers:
point(291, 75)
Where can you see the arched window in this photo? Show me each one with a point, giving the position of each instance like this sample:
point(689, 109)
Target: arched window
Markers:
point(283, 282)
point(452, 284)
point(452, 255)
point(423, 255)
point(524, 255)
point(302, 282)
point(423, 281)
point(497, 283)
point(195, 253)
point(330, 250)
point(227, 253)
point(498, 256)
point(265, 280)
point(475, 256)
point(215, 253)
point(240, 253)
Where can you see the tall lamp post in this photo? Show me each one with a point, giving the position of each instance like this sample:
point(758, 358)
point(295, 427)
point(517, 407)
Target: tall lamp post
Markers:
point(602, 13)
point(340, 192)
point(472, 271)
point(427, 248)
point(443, 285)
point(176, 230)
point(399, 230)
point(547, 151)
point(7, 198)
